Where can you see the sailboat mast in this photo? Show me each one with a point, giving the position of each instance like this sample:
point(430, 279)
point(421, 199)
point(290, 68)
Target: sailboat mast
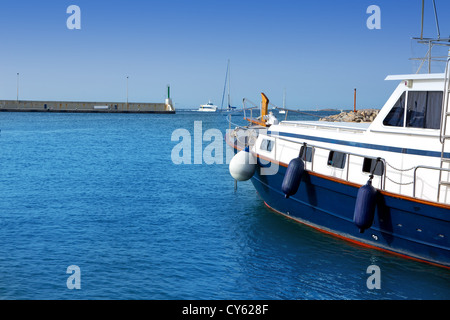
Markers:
point(225, 86)
point(229, 77)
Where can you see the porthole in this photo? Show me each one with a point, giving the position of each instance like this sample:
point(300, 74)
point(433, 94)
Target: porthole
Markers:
point(337, 159)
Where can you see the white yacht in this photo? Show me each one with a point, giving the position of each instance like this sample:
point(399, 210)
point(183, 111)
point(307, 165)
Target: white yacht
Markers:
point(209, 107)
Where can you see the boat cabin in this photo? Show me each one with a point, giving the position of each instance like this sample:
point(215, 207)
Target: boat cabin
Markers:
point(415, 104)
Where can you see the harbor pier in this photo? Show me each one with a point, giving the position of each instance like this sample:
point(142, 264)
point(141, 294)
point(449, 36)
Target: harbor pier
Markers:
point(85, 107)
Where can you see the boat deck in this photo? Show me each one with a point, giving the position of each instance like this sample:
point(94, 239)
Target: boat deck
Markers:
point(339, 126)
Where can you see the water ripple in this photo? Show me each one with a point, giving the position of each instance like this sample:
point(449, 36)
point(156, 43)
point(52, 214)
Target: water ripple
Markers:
point(100, 191)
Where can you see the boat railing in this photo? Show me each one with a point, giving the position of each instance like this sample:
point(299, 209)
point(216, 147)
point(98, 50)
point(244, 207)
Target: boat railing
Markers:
point(287, 111)
point(441, 170)
point(443, 133)
point(232, 124)
point(339, 127)
point(384, 174)
point(429, 58)
point(349, 157)
point(445, 101)
point(349, 173)
point(273, 107)
point(245, 108)
point(242, 140)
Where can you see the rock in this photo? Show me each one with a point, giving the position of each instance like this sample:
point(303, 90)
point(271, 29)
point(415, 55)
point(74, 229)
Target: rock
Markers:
point(362, 115)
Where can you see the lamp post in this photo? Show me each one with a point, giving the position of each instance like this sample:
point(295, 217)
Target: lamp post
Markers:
point(127, 93)
point(17, 86)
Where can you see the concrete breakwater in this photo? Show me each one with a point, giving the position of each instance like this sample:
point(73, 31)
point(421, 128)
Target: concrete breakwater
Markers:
point(363, 115)
point(74, 106)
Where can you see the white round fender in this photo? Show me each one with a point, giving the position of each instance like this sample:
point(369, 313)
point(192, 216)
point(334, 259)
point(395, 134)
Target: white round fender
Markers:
point(243, 165)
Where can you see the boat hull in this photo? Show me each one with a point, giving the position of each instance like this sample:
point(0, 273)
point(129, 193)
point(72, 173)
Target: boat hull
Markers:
point(404, 226)
point(207, 110)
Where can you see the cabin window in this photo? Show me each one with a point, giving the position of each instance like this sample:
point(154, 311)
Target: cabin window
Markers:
point(337, 159)
point(306, 153)
point(424, 109)
point(373, 166)
point(267, 145)
point(396, 115)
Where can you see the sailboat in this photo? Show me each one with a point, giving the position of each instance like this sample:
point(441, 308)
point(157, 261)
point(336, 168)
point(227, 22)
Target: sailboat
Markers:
point(227, 77)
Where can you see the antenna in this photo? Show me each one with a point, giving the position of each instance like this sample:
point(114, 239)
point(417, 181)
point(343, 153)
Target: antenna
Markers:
point(421, 27)
point(437, 21)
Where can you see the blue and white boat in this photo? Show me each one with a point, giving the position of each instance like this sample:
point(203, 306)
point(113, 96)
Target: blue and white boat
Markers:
point(384, 184)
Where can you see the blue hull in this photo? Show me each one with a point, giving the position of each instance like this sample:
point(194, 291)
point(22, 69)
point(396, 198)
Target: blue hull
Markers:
point(415, 229)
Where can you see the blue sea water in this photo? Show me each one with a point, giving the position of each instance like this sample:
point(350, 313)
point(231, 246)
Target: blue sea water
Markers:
point(100, 191)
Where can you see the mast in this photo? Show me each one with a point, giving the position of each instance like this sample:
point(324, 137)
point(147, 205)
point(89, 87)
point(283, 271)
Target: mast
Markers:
point(437, 21)
point(421, 27)
point(229, 77)
point(431, 42)
point(225, 86)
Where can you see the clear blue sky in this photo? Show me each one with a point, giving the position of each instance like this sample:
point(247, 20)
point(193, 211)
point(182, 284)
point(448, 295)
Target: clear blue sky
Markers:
point(318, 51)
